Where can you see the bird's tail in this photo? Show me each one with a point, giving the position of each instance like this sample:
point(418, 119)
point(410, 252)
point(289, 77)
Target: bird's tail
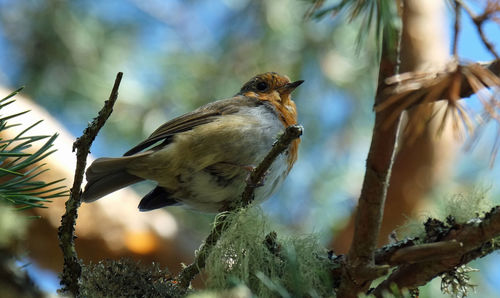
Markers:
point(106, 175)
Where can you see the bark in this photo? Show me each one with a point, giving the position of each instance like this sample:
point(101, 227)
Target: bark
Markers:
point(460, 245)
point(420, 163)
point(422, 48)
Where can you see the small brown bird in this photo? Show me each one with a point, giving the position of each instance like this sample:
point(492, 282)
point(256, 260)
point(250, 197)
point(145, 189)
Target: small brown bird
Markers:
point(202, 158)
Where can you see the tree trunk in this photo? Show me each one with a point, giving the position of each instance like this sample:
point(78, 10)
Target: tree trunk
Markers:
point(420, 162)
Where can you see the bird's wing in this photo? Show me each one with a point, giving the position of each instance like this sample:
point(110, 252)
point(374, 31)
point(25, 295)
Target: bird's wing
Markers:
point(200, 116)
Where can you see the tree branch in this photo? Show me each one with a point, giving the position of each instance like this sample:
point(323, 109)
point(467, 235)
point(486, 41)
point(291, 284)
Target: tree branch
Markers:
point(456, 33)
point(479, 21)
point(291, 133)
point(462, 244)
point(453, 246)
point(185, 277)
point(72, 267)
point(359, 268)
point(420, 253)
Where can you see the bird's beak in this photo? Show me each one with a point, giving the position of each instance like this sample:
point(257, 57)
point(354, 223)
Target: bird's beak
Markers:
point(288, 88)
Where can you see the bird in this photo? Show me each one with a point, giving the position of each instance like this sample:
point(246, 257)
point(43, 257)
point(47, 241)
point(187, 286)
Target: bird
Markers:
point(202, 159)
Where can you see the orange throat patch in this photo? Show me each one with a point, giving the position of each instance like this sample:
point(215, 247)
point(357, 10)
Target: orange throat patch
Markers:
point(287, 113)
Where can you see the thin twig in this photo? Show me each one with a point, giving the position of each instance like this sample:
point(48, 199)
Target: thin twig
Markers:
point(485, 40)
point(291, 133)
point(400, 38)
point(478, 21)
point(187, 274)
point(456, 33)
point(222, 223)
point(72, 267)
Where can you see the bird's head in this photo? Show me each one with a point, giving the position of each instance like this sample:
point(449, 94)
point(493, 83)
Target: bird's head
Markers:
point(276, 89)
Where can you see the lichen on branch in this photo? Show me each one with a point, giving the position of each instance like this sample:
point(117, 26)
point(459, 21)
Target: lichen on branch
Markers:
point(72, 268)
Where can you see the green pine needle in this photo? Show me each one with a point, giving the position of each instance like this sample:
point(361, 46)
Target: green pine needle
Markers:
point(19, 169)
point(11, 95)
point(2, 170)
point(377, 17)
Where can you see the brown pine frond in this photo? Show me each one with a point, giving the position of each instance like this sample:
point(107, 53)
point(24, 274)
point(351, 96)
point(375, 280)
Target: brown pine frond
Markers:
point(492, 9)
point(418, 91)
point(316, 5)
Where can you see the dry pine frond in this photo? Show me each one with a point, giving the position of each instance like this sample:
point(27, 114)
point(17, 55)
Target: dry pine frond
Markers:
point(418, 90)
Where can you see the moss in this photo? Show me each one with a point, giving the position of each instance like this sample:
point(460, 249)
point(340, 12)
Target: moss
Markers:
point(250, 253)
point(125, 278)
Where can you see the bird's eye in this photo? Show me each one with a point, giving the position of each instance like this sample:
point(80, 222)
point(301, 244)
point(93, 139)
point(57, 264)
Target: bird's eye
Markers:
point(261, 86)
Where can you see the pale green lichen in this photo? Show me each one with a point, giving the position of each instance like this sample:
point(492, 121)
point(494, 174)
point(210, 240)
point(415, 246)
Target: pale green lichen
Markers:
point(412, 228)
point(459, 208)
point(249, 253)
point(466, 206)
point(240, 291)
point(12, 225)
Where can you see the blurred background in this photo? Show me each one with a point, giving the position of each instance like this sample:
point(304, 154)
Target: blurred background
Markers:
point(178, 55)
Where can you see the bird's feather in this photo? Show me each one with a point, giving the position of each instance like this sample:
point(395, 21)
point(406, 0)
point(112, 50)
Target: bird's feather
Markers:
point(107, 175)
point(200, 116)
point(159, 197)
